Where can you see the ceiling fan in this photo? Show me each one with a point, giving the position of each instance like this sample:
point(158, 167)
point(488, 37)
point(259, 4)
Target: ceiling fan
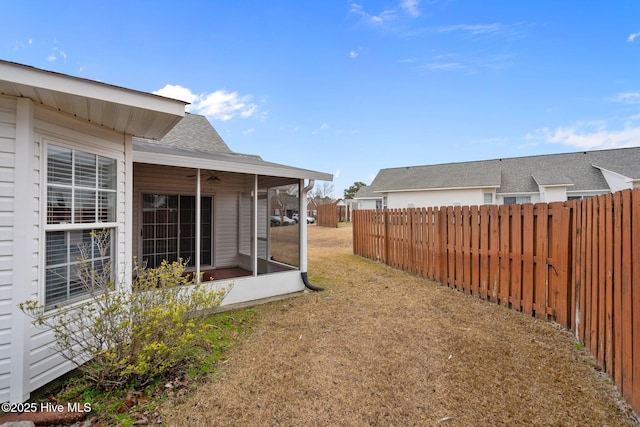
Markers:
point(209, 176)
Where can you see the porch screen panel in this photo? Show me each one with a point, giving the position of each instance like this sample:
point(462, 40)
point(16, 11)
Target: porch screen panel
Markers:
point(159, 229)
point(187, 214)
point(244, 235)
point(169, 229)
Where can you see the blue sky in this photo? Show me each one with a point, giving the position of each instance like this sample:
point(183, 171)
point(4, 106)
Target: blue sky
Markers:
point(350, 87)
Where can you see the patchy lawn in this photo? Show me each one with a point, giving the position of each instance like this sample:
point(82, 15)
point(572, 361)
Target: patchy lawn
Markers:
point(380, 347)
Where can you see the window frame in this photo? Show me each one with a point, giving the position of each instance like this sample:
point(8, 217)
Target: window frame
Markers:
point(112, 225)
point(517, 200)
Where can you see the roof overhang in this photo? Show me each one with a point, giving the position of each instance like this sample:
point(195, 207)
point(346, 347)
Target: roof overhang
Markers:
point(157, 154)
point(124, 110)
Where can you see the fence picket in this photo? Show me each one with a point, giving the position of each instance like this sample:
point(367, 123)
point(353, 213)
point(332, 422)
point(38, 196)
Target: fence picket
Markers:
point(528, 235)
point(516, 258)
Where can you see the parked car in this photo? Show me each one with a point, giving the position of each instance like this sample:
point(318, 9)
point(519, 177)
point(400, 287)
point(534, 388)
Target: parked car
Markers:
point(276, 220)
point(310, 219)
point(288, 221)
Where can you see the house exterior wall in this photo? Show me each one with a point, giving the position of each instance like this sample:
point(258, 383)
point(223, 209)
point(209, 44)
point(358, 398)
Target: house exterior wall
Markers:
point(28, 358)
point(365, 204)
point(448, 197)
point(553, 194)
point(46, 363)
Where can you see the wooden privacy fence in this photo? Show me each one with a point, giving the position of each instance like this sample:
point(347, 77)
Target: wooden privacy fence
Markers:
point(328, 215)
point(577, 263)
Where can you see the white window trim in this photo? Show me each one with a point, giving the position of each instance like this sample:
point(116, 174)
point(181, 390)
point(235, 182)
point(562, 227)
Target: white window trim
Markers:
point(91, 148)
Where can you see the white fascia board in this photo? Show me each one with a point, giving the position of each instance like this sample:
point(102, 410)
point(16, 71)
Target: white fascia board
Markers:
point(269, 169)
point(56, 82)
point(555, 185)
point(478, 187)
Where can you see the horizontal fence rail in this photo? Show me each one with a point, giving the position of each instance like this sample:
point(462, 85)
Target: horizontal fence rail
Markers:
point(576, 263)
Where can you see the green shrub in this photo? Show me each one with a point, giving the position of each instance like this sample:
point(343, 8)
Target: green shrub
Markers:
point(123, 335)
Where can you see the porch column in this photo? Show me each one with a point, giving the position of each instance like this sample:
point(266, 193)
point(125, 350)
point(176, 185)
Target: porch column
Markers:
point(254, 231)
point(198, 219)
point(302, 223)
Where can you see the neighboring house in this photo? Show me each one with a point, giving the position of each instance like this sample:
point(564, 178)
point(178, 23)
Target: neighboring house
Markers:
point(78, 155)
point(365, 198)
point(531, 179)
point(312, 208)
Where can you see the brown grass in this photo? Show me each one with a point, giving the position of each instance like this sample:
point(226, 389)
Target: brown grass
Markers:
point(380, 347)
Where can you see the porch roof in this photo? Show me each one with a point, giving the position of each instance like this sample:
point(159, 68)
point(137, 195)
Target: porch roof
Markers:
point(159, 154)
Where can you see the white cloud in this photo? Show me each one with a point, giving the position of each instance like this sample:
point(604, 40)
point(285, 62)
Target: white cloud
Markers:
point(249, 131)
point(591, 136)
point(444, 66)
point(51, 57)
point(336, 174)
point(220, 105)
point(384, 16)
point(628, 98)
point(323, 127)
point(476, 29)
point(411, 7)
point(177, 92)
point(353, 54)
point(632, 37)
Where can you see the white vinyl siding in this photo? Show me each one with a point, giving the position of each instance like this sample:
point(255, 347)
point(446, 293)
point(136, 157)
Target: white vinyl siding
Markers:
point(436, 198)
point(52, 128)
point(7, 165)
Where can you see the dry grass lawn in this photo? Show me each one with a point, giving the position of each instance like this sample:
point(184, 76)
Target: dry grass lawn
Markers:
point(383, 348)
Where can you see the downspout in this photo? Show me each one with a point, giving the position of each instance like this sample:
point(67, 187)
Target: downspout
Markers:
point(303, 237)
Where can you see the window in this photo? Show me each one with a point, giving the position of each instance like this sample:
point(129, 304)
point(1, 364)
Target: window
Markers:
point(378, 204)
point(517, 200)
point(81, 199)
point(488, 198)
point(169, 229)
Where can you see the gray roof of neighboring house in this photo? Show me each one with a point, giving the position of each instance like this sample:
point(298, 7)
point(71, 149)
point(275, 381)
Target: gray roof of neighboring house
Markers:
point(580, 171)
point(366, 192)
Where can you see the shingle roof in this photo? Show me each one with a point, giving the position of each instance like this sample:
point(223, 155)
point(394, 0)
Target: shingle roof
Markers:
point(193, 142)
point(193, 132)
point(366, 192)
point(516, 175)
